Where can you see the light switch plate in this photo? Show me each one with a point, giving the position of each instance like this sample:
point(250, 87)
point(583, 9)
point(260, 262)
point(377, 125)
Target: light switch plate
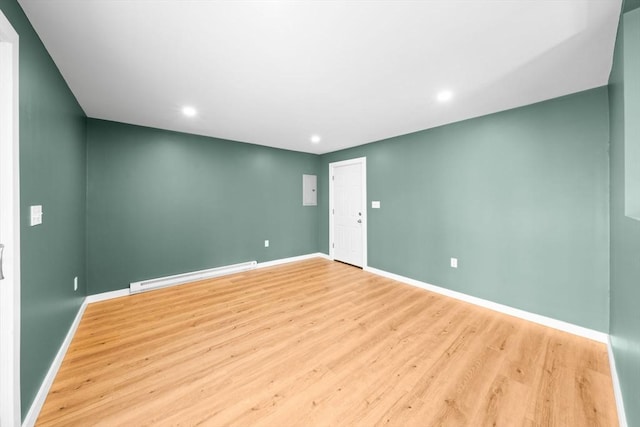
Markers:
point(375, 204)
point(36, 215)
point(454, 262)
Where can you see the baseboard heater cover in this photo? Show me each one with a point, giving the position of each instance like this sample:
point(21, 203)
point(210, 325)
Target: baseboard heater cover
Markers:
point(178, 279)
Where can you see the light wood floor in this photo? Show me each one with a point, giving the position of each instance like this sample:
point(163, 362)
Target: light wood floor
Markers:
point(319, 343)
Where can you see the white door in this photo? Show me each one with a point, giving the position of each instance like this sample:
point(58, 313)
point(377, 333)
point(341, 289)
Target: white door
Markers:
point(9, 229)
point(348, 211)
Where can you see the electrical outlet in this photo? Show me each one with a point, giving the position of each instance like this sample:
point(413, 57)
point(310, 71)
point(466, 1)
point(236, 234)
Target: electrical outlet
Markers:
point(75, 283)
point(454, 262)
point(266, 243)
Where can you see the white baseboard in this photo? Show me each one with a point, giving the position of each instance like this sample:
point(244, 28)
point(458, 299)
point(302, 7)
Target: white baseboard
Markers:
point(536, 318)
point(107, 295)
point(32, 416)
point(291, 259)
point(617, 391)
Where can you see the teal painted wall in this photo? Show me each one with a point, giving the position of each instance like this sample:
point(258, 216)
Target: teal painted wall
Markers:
point(53, 174)
point(630, 23)
point(625, 243)
point(630, 5)
point(162, 203)
point(519, 197)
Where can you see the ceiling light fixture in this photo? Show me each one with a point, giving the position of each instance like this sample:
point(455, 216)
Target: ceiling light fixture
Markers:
point(315, 139)
point(189, 111)
point(445, 95)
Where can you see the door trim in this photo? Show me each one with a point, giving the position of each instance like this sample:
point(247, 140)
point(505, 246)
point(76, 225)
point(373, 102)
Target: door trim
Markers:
point(9, 226)
point(362, 161)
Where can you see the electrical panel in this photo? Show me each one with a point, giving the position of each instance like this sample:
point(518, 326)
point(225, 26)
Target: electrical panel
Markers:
point(309, 190)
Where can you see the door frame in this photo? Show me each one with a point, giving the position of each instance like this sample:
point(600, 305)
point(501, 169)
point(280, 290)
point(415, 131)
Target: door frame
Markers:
point(363, 162)
point(9, 226)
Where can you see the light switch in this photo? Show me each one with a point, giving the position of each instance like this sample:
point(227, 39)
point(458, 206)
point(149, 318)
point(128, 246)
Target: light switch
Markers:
point(36, 215)
point(375, 204)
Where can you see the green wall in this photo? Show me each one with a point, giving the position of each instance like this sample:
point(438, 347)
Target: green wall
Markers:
point(53, 174)
point(625, 241)
point(630, 24)
point(519, 197)
point(163, 203)
point(630, 5)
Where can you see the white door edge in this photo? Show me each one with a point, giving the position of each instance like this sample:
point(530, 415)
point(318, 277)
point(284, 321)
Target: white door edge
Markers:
point(362, 161)
point(9, 227)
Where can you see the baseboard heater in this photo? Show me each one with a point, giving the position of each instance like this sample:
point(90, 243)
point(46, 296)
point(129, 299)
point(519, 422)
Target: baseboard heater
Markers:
point(178, 279)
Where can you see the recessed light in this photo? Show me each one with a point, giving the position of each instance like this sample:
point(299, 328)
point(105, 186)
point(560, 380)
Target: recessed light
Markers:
point(189, 111)
point(315, 139)
point(445, 95)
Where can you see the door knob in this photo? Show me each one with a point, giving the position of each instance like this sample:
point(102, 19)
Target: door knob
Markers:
point(359, 221)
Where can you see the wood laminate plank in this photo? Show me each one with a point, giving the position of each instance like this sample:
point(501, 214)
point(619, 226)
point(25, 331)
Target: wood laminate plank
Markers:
point(318, 343)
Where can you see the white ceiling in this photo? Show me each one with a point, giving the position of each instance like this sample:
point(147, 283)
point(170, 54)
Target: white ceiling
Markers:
point(276, 72)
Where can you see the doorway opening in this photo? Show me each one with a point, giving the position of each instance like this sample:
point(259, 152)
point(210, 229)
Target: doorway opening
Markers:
point(9, 228)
